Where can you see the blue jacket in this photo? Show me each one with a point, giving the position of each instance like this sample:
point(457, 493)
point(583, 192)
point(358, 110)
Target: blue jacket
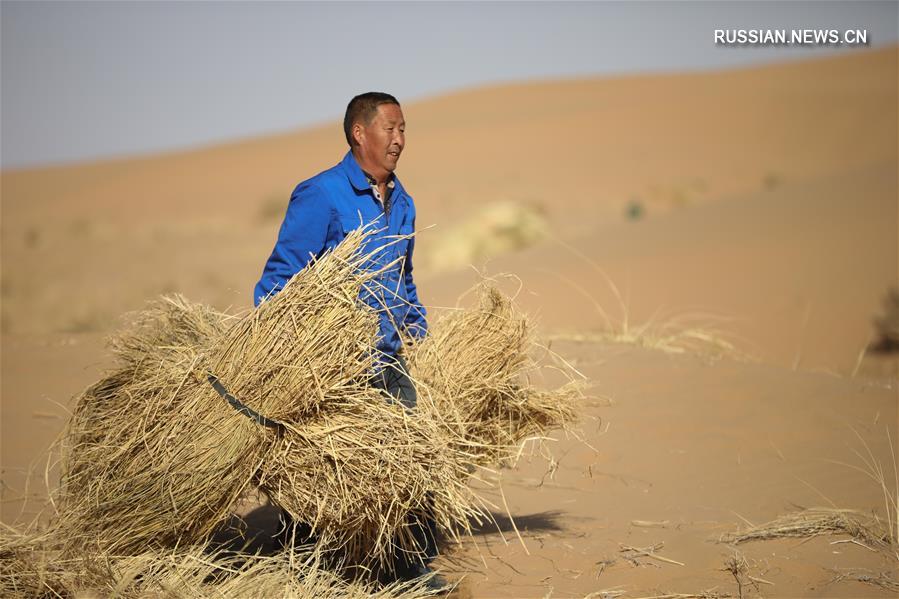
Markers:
point(321, 212)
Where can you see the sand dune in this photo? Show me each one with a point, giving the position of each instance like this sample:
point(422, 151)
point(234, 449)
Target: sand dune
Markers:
point(763, 201)
point(793, 276)
point(582, 150)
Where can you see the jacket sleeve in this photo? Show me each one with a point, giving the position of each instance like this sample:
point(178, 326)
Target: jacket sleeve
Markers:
point(303, 235)
point(416, 325)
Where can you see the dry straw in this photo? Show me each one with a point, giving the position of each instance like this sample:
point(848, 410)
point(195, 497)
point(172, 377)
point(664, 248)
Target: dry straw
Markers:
point(813, 522)
point(154, 458)
point(146, 456)
point(30, 569)
point(474, 366)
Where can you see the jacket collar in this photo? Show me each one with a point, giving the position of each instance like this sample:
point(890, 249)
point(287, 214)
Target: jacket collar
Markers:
point(357, 176)
point(354, 172)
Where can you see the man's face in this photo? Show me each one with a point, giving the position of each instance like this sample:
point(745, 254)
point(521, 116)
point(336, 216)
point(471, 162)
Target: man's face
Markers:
point(381, 142)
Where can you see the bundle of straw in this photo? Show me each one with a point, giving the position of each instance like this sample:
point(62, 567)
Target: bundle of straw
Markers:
point(146, 460)
point(154, 457)
point(31, 567)
point(364, 474)
point(474, 365)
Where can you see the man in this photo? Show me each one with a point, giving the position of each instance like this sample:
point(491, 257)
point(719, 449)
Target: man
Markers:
point(363, 189)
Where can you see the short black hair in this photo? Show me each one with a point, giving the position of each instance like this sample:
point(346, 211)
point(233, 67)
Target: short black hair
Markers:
point(363, 108)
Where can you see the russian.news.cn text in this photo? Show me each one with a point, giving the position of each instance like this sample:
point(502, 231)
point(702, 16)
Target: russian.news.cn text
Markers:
point(791, 37)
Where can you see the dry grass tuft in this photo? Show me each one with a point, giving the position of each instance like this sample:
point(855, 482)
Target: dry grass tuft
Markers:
point(699, 595)
point(686, 334)
point(695, 333)
point(874, 469)
point(496, 228)
point(878, 579)
point(872, 530)
point(739, 568)
point(815, 522)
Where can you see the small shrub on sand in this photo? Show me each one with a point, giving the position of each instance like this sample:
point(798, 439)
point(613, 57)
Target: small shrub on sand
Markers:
point(888, 324)
point(498, 227)
point(271, 208)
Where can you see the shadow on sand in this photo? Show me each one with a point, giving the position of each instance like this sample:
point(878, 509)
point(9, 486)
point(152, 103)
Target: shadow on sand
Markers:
point(537, 522)
point(267, 530)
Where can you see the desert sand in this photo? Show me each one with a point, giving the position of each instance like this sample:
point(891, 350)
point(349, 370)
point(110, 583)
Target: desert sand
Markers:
point(758, 206)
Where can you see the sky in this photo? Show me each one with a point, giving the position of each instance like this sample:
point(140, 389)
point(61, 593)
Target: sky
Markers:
point(81, 81)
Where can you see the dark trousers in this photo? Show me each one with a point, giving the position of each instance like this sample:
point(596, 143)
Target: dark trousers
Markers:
point(394, 381)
